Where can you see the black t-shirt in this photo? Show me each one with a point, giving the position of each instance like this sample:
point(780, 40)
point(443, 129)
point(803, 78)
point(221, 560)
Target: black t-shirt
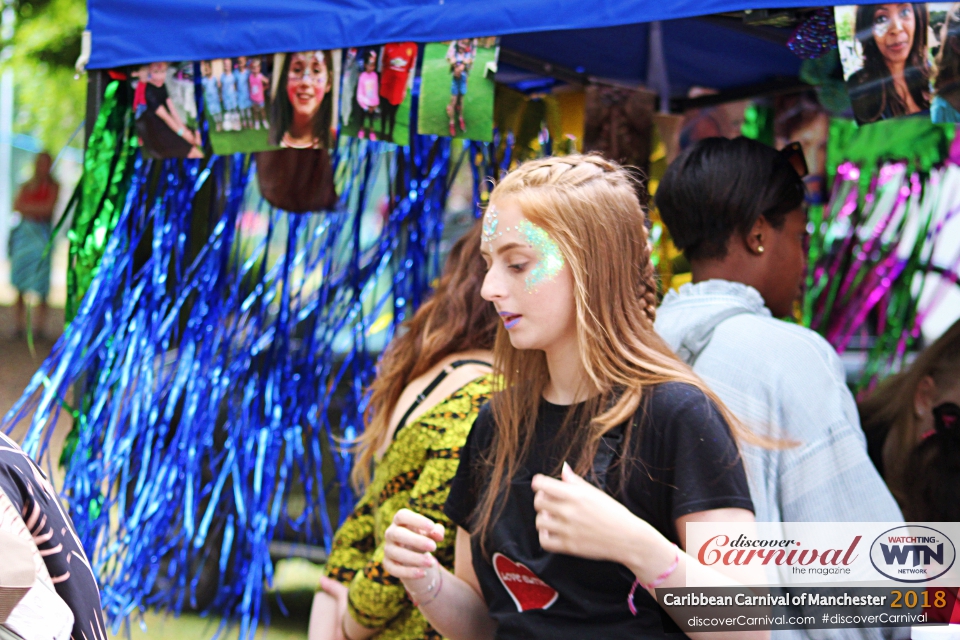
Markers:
point(681, 459)
point(155, 96)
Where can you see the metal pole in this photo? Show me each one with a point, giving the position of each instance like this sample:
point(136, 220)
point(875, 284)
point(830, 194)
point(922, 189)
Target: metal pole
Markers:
point(8, 22)
point(6, 170)
point(657, 78)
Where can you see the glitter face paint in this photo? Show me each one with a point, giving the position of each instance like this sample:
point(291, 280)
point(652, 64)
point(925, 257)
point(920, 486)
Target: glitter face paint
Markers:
point(551, 259)
point(489, 228)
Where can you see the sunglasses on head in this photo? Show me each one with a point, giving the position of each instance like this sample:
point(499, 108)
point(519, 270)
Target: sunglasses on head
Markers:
point(793, 154)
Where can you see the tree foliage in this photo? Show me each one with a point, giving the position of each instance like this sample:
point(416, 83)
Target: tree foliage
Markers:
point(49, 100)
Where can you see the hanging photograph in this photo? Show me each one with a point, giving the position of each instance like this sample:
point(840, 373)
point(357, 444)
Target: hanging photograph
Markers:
point(236, 103)
point(886, 58)
point(375, 100)
point(457, 88)
point(945, 52)
point(165, 110)
point(304, 98)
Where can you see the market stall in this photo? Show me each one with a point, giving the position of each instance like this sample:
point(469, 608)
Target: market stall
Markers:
point(221, 333)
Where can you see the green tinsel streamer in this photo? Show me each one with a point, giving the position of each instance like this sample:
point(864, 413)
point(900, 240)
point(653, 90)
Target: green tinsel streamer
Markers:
point(106, 177)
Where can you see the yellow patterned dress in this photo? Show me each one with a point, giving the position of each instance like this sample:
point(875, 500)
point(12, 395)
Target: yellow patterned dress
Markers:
point(414, 473)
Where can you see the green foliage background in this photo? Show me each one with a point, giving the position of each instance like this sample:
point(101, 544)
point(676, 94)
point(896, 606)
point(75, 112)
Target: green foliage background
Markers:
point(49, 103)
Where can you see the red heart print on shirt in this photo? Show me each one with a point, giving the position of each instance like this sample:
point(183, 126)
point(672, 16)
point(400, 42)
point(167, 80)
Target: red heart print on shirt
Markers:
point(527, 590)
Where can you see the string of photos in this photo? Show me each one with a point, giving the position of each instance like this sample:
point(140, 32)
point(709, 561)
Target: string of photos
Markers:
point(217, 356)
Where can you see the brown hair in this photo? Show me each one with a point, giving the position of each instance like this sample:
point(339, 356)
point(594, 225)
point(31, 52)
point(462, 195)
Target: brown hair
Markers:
point(891, 405)
point(454, 319)
point(590, 208)
point(948, 58)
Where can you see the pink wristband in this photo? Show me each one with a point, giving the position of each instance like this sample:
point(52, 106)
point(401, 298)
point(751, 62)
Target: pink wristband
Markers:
point(656, 583)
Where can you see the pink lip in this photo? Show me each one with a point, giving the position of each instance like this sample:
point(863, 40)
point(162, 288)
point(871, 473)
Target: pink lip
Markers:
point(510, 320)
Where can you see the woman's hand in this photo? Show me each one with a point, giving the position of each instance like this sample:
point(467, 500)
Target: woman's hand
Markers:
point(325, 615)
point(578, 519)
point(408, 546)
point(340, 593)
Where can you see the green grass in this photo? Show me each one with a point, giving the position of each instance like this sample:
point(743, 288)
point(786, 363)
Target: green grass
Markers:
point(401, 130)
point(435, 82)
point(294, 579)
point(245, 141)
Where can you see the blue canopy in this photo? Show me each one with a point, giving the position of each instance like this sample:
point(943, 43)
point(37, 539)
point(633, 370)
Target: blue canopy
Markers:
point(606, 38)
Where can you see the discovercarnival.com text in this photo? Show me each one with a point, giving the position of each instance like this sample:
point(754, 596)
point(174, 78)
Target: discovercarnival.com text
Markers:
point(802, 621)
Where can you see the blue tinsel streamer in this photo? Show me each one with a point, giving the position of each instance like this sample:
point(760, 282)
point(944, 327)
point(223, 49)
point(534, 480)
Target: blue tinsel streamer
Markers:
point(214, 382)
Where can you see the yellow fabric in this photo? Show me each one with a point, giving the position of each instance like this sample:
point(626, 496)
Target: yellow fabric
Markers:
point(414, 473)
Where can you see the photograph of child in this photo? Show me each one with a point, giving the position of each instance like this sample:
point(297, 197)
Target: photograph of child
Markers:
point(457, 88)
point(399, 60)
point(460, 57)
point(375, 101)
point(165, 111)
point(368, 94)
point(304, 99)
point(234, 100)
point(886, 61)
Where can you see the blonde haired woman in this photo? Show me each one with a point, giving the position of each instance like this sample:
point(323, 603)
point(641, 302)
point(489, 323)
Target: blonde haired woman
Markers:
point(586, 381)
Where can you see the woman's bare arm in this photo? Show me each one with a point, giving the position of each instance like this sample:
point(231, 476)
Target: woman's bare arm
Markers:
point(454, 606)
point(576, 518)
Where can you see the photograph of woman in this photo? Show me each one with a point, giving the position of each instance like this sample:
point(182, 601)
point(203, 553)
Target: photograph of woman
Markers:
point(160, 126)
point(895, 77)
point(945, 106)
point(302, 100)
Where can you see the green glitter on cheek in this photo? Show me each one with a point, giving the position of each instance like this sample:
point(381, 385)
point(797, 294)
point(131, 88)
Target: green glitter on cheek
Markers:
point(551, 259)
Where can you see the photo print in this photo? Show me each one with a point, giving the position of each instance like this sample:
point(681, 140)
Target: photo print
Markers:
point(886, 56)
point(457, 88)
point(304, 99)
point(165, 110)
point(376, 96)
point(236, 103)
point(945, 53)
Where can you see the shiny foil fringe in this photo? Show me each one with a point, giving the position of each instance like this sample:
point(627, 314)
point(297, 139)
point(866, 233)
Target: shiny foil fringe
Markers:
point(218, 370)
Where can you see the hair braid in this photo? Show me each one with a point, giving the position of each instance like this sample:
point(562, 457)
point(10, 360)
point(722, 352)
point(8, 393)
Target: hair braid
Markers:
point(648, 276)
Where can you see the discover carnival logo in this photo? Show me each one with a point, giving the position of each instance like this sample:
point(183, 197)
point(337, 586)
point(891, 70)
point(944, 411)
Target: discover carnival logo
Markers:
point(743, 551)
point(912, 553)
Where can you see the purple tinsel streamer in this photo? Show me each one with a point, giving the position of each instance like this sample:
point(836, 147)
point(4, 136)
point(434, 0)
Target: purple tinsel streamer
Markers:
point(864, 282)
point(815, 36)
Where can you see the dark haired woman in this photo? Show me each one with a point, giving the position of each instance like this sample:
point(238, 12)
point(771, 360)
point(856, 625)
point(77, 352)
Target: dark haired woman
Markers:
point(430, 386)
point(735, 209)
point(945, 106)
point(301, 110)
point(895, 78)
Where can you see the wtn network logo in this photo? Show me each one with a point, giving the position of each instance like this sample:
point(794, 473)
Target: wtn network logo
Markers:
point(912, 554)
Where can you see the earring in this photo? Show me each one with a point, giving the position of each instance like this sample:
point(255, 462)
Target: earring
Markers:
point(760, 249)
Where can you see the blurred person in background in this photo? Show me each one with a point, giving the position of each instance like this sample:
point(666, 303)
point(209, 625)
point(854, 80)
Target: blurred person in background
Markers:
point(912, 422)
point(29, 257)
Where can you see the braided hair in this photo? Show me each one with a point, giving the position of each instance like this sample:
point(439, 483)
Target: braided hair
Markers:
point(574, 172)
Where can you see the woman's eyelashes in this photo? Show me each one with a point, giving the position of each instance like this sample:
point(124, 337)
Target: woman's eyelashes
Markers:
point(517, 268)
